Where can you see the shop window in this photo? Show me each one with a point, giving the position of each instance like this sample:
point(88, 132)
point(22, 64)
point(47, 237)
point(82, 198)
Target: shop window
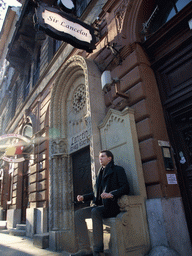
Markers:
point(164, 11)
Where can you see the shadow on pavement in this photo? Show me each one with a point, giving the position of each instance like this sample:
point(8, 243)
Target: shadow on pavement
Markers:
point(6, 251)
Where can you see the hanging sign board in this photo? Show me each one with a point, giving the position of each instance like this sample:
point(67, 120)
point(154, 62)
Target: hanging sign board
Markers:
point(13, 160)
point(14, 149)
point(62, 26)
point(15, 136)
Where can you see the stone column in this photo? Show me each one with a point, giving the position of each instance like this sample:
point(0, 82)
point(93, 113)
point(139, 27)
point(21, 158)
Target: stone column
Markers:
point(60, 207)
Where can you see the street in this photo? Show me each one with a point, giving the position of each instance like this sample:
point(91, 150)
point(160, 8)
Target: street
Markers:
point(22, 246)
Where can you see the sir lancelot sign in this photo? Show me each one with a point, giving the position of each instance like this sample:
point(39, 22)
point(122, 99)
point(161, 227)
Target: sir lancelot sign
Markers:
point(62, 26)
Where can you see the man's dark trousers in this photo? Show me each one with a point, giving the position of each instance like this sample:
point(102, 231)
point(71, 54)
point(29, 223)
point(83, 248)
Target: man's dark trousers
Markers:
point(96, 213)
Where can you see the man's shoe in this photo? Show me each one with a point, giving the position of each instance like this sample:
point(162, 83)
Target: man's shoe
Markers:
point(82, 252)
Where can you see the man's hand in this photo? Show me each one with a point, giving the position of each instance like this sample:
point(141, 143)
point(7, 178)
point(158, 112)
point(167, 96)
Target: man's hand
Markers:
point(106, 195)
point(80, 198)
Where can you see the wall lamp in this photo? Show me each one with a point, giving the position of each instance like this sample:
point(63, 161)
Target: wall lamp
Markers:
point(107, 82)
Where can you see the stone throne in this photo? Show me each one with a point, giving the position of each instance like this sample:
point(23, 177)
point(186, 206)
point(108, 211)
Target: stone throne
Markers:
point(129, 230)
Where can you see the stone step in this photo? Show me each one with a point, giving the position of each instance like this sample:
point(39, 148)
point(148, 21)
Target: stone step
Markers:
point(3, 224)
point(17, 232)
point(21, 226)
point(4, 231)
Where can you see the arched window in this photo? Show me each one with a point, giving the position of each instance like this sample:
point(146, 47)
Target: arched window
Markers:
point(163, 12)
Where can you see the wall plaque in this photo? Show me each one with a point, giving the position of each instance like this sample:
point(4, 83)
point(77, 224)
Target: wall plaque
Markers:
point(171, 179)
point(79, 140)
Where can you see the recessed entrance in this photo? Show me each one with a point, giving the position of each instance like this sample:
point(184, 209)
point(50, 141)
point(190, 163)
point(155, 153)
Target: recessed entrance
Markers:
point(82, 181)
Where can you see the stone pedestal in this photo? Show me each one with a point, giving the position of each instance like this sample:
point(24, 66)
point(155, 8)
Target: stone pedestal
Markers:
point(62, 241)
point(41, 240)
point(167, 225)
point(31, 221)
point(36, 221)
point(13, 218)
point(129, 230)
point(41, 225)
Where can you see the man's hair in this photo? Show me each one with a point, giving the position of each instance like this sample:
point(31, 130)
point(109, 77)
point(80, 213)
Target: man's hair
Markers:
point(108, 153)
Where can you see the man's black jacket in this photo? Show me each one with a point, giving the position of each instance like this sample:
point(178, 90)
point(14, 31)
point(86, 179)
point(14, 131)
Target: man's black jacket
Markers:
point(114, 182)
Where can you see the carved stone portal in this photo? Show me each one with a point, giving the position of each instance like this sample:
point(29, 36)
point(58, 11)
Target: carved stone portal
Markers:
point(73, 126)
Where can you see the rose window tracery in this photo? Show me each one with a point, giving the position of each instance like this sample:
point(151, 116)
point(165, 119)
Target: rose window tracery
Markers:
point(79, 98)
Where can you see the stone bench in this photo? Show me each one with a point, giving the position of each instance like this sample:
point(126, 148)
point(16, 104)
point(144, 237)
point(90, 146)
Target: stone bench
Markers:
point(128, 230)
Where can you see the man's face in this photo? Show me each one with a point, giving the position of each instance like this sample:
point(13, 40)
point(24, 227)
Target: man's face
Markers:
point(104, 159)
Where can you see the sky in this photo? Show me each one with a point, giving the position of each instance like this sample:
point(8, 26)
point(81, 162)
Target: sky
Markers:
point(3, 8)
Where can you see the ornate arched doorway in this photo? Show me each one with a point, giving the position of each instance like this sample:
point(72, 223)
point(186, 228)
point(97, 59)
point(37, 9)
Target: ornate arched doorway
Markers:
point(76, 109)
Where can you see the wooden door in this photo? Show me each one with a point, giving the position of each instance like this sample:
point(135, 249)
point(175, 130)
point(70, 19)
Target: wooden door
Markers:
point(82, 181)
point(182, 142)
point(170, 52)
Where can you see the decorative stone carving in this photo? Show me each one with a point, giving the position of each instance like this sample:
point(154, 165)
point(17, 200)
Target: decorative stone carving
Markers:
point(125, 201)
point(79, 98)
point(58, 147)
point(128, 235)
point(126, 141)
point(120, 14)
point(58, 107)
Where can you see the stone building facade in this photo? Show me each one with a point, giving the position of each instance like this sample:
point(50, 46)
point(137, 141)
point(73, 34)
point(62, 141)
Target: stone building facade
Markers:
point(58, 99)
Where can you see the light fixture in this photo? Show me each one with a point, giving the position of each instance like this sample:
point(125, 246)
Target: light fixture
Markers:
point(107, 82)
point(66, 5)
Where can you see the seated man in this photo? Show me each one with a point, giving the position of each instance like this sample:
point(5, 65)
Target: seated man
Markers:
point(111, 183)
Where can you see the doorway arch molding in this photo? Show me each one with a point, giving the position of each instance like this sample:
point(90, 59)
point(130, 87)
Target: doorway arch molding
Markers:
point(75, 66)
point(138, 11)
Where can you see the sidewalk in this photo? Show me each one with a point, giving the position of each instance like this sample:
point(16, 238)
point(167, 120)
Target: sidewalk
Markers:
point(22, 246)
